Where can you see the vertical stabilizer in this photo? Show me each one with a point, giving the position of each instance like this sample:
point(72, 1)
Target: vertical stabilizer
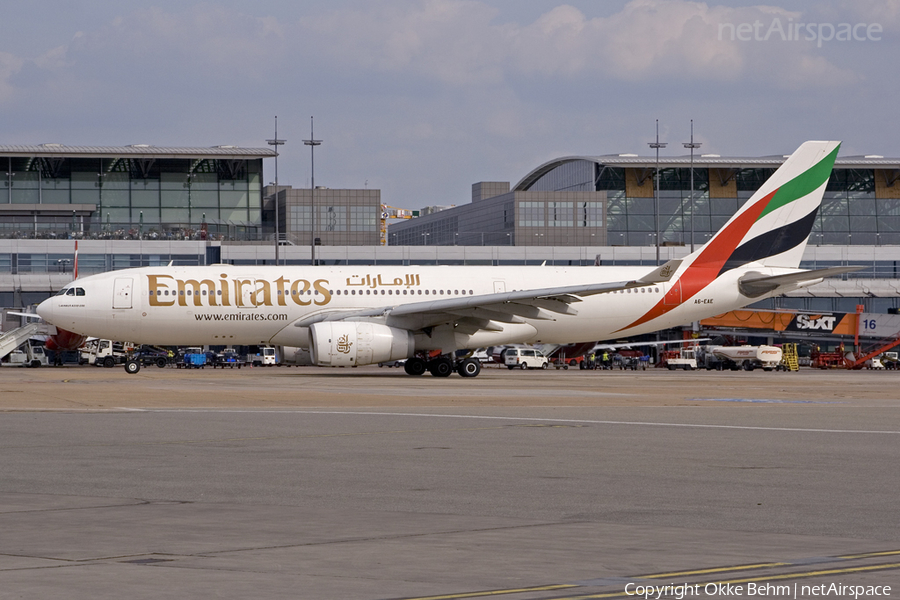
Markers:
point(772, 228)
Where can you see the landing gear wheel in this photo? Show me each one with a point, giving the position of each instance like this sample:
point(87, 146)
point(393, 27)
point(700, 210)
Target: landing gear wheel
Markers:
point(469, 368)
point(440, 367)
point(132, 367)
point(414, 366)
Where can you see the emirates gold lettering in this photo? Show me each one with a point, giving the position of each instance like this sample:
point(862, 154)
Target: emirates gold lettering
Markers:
point(297, 293)
point(192, 288)
point(165, 290)
point(156, 287)
point(326, 293)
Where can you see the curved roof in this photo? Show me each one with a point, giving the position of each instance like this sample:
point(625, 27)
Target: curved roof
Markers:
point(715, 161)
point(137, 150)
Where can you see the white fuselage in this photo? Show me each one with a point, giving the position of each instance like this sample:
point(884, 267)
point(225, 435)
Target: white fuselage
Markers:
point(225, 304)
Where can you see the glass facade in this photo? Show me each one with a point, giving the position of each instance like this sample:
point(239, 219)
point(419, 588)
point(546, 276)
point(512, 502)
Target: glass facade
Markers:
point(852, 213)
point(342, 217)
point(131, 197)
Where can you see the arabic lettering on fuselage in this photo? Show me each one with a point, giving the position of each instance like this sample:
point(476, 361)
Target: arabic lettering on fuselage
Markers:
point(377, 281)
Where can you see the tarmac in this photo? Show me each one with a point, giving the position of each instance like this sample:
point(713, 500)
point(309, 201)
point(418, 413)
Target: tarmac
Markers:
point(367, 483)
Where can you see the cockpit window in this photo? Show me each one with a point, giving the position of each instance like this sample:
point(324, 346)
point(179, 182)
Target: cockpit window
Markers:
point(71, 291)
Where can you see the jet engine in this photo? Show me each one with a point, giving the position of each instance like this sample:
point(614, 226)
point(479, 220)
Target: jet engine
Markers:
point(349, 343)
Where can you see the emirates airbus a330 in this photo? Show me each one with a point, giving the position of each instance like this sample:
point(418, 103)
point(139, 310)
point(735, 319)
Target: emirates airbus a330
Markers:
point(359, 315)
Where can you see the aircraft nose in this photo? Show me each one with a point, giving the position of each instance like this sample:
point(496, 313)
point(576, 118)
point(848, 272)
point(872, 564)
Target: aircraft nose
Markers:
point(45, 310)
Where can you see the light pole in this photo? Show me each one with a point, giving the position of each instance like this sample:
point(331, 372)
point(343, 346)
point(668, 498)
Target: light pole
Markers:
point(312, 142)
point(692, 145)
point(657, 145)
point(276, 142)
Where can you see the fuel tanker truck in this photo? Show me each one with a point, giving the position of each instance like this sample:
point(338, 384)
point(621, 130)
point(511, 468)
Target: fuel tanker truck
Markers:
point(748, 358)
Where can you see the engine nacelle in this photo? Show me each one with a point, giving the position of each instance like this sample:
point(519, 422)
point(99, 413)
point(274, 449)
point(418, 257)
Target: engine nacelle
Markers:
point(349, 343)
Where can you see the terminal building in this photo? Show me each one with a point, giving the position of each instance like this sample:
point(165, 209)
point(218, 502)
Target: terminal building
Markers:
point(611, 201)
point(141, 205)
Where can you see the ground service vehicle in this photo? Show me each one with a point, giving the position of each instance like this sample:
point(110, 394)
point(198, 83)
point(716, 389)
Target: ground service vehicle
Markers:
point(525, 358)
point(685, 358)
point(105, 353)
point(151, 356)
point(266, 357)
point(228, 358)
point(748, 358)
point(27, 356)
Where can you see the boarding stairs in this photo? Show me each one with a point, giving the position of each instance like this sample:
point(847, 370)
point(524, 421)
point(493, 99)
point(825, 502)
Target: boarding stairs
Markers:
point(10, 340)
point(789, 357)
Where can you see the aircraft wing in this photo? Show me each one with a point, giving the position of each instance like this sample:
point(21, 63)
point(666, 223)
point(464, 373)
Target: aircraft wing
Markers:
point(489, 311)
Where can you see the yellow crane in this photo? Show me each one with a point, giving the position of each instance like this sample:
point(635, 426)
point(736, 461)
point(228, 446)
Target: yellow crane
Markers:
point(392, 212)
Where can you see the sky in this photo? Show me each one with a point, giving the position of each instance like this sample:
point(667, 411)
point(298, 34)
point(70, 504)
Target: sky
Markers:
point(423, 98)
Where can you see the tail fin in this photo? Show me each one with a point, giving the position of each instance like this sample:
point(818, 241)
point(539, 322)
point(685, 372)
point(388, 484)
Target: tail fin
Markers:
point(772, 228)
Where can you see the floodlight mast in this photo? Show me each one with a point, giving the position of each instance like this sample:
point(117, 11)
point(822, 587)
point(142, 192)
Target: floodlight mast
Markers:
point(657, 145)
point(312, 142)
point(276, 142)
point(692, 145)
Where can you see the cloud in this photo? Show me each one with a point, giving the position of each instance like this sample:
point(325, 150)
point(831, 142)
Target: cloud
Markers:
point(458, 43)
point(9, 66)
point(422, 97)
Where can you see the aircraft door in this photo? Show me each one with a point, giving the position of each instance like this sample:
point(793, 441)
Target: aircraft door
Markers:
point(673, 294)
point(248, 293)
point(122, 291)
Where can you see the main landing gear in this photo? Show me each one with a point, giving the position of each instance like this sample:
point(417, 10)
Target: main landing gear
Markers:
point(442, 366)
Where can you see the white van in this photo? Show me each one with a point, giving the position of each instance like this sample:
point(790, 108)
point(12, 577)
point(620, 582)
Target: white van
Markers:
point(525, 358)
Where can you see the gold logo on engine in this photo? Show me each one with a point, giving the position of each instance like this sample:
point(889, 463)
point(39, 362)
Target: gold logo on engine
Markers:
point(343, 344)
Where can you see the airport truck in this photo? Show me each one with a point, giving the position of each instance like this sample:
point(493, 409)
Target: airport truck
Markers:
point(745, 357)
point(684, 358)
point(26, 356)
point(105, 353)
point(266, 357)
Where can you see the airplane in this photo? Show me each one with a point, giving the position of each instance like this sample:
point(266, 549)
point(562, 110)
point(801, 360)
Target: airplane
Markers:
point(359, 315)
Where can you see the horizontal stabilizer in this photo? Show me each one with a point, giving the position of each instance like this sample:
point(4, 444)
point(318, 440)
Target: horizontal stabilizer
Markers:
point(662, 273)
point(757, 284)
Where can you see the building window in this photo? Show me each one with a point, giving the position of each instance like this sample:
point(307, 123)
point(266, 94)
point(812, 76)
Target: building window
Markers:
point(559, 214)
point(363, 218)
point(589, 214)
point(531, 214)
